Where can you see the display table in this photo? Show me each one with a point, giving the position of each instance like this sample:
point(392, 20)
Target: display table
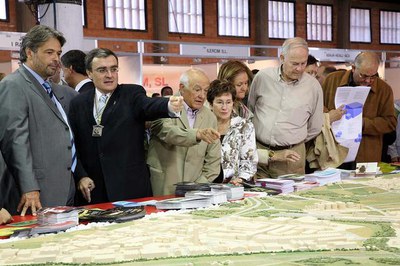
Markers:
point(149, 209)
point(351, 222)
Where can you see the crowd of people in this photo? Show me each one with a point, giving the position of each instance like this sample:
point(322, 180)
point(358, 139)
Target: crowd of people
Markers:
point(84, 143)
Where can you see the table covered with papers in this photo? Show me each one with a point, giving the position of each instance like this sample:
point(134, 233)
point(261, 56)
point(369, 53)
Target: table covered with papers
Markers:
point(353, 221)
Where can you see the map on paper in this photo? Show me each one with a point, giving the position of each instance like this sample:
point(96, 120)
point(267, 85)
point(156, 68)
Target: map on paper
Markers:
point(351, 222)
point(348, 130)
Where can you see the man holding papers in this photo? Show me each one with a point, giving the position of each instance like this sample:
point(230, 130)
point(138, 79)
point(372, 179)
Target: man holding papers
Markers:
point(378, 111)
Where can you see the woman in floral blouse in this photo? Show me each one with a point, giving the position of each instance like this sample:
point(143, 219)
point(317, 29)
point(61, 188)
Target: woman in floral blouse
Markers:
point(238, 150)
point(240, 76)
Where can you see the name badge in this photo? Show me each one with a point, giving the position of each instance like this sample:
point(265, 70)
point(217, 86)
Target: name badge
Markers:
point(97, 130)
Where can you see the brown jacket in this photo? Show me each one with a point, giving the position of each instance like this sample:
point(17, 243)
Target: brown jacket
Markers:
point(378, 113)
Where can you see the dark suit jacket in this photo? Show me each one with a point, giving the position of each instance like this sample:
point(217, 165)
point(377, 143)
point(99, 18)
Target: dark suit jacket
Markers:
point(115, 161)
point(34, 138)
point(9, 192)
point(88, 86)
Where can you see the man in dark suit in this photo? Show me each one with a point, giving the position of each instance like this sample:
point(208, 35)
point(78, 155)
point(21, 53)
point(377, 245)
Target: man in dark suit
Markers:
point(8, 190)
point(35, 137)
point(109, 124)
point(73, 66)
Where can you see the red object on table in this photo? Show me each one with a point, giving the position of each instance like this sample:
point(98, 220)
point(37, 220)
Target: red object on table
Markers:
point(107, 205)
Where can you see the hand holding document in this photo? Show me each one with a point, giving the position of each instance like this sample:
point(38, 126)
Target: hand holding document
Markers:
point(348, 130)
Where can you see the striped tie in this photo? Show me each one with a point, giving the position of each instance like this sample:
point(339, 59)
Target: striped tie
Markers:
point(47, 86)
point(73, 150)
point(102, 102)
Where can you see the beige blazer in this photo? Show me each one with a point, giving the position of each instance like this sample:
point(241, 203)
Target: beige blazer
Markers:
point(175, 155)
point(324, 151)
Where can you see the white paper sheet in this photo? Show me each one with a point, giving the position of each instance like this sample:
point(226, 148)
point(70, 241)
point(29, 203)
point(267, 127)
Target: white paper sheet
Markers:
point(348, 130)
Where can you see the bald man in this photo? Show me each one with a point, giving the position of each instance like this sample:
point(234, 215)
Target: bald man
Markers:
point(185, 149)
point(378, 111)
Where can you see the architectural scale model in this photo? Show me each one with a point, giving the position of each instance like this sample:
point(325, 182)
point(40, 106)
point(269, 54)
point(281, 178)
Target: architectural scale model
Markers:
point(354, 221)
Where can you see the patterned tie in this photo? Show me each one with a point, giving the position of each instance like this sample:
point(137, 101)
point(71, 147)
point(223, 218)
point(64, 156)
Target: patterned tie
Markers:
point(102, 102)
point(73, 150)
point(47, 86)
point(100, 107)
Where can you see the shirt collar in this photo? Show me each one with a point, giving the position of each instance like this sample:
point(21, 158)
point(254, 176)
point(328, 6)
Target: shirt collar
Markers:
point(189, 110)
point(81, 83)
point(34, 74)
point(98, 94)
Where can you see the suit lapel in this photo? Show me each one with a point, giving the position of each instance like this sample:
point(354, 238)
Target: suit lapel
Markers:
point(89, 107)
point(111, 106)
point(39, 90)
point(199, 118)
point(184, 119)
point(59, 95)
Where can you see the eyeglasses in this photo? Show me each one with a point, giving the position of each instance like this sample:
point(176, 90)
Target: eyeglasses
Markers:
point(365, 77)
point(104, 70)
point(221, 103)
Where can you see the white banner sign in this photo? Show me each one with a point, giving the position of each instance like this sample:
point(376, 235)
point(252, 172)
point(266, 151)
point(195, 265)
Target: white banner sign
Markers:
point(10, 40)
point(335, 55)
point(214, 50)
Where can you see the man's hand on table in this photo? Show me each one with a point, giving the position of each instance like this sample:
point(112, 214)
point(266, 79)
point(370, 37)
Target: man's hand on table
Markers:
point(30, 200)
point(86, 185)
point(5, 216)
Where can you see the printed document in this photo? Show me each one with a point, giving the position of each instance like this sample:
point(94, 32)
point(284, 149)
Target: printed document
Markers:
point(348, 130)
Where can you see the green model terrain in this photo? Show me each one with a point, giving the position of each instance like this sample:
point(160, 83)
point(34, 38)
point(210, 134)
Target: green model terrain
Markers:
point(368, 208)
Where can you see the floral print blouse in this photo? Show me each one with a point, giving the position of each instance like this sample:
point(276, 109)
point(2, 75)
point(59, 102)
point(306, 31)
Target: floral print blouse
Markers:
point(239, 156)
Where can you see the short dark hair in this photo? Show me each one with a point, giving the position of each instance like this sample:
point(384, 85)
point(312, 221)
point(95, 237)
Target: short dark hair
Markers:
point(218, 87)
point(166, 88)
point(311, 60)
point(36, 37)
point(155, 94)
point(97, 53)
point(76, 59)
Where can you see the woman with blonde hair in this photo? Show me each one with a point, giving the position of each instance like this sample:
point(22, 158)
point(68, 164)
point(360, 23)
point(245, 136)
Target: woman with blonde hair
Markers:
point(240, 76)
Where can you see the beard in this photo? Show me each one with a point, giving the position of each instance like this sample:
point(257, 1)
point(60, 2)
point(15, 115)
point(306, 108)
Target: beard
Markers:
point(45, 71)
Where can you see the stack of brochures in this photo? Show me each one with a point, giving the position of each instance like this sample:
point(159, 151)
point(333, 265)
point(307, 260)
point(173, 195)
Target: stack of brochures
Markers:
point(183, 187)
point(59, 214)
point(52, 220)
point(193, 202)
point(327, 176)
point(216, 197)
point(294, 177)
point(232, 192)
point(305, 185)
point(51, 228)
point(283, 186)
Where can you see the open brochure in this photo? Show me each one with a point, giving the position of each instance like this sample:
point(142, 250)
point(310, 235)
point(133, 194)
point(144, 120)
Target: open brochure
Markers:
point(348, 130)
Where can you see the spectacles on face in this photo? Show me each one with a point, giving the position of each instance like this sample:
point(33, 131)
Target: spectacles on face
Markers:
point(104, 70)
point(365, 77)
point(222, 103)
